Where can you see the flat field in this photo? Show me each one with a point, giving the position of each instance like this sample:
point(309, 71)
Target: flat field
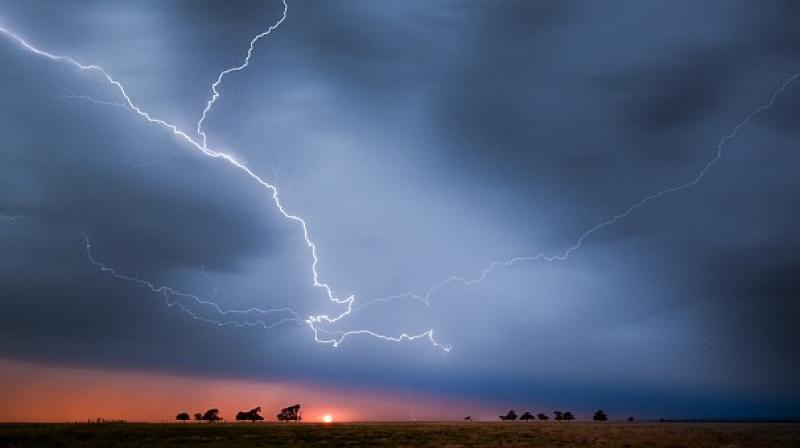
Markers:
point(550, 434)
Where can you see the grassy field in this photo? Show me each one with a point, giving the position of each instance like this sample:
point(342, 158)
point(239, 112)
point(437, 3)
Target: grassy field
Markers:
point(552, 434)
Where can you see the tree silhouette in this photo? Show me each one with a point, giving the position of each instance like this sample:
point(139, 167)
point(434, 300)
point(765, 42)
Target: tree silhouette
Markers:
point(630, 419)
point(198, 416)
point(290, 413)
point(527, 416)
point(558, 415)
point(212, 415)
point(512, 415)
point(251, 415)
point(542, 416)
point(182, 417)
point(568, 416)
point(468, 418)
point(600, 416)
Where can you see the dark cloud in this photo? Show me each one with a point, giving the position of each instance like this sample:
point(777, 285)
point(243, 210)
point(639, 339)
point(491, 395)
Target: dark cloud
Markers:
point(681, 94)
point(420, 141)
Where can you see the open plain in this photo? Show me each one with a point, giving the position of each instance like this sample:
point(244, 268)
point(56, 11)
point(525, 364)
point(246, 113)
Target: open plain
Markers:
point(475, 434)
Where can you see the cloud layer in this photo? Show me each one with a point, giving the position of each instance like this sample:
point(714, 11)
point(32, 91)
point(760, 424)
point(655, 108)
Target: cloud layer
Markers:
point(419, 141)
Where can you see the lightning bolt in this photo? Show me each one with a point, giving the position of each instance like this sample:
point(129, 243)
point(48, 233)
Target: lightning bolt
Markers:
point(349, 301)
point(203, 148)
point(214, 92)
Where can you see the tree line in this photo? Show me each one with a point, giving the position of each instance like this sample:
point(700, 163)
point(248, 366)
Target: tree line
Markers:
point(599, 415)
point(290, 413)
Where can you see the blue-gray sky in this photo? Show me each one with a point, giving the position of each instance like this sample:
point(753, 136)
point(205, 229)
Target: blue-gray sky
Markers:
point(419, 140)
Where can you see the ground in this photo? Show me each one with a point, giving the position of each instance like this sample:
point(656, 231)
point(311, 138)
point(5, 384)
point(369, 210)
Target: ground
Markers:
point(550, 434)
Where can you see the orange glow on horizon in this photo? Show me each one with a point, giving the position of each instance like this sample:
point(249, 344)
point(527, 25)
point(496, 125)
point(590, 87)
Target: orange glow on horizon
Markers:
point(46, 393)
point(327, 418)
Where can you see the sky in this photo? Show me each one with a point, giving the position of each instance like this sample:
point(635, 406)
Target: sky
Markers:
point(417, 141)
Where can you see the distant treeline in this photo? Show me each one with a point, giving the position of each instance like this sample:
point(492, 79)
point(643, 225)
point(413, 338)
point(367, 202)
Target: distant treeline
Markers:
point(290, 413)
point(511, 415)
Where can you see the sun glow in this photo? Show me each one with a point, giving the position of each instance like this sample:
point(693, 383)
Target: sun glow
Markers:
point(327, 418)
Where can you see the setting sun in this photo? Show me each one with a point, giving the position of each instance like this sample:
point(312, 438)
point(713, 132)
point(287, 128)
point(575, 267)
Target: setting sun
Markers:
point(327, 418)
